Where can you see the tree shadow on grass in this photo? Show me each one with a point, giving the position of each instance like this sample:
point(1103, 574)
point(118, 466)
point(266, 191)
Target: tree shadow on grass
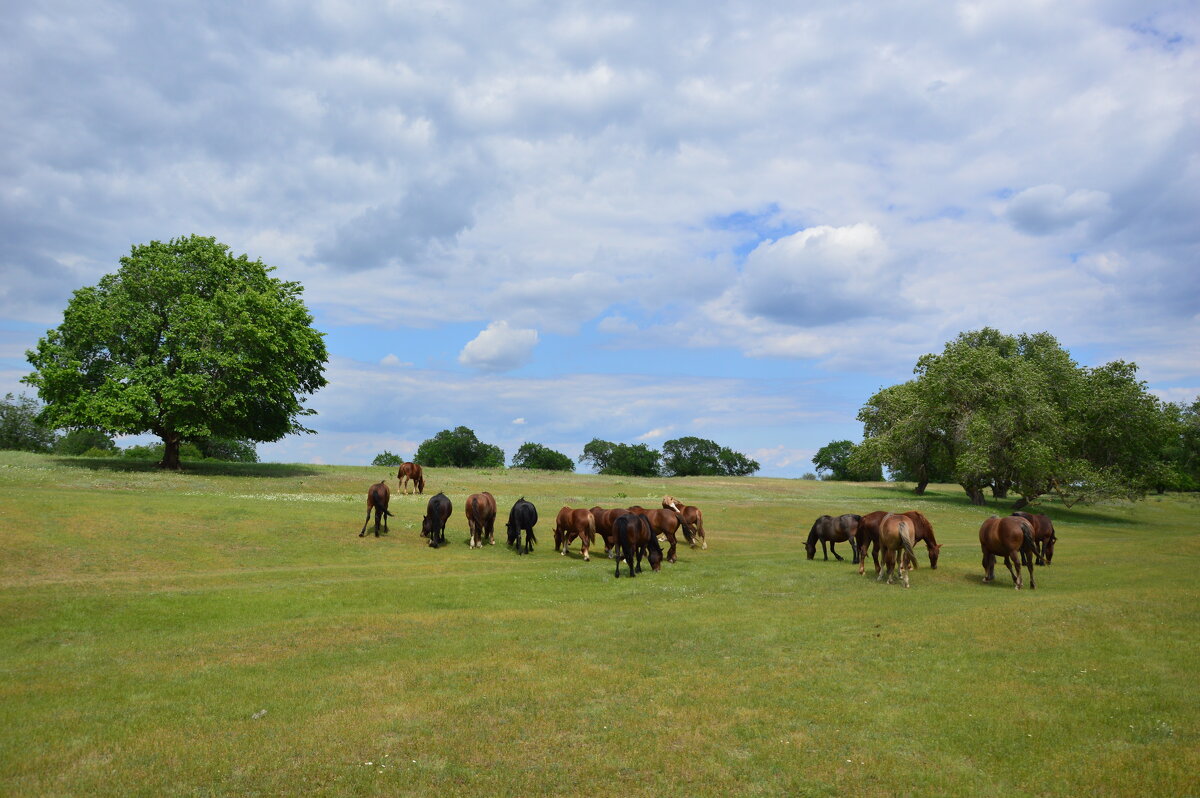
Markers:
point(204, 467)
point(900, 494)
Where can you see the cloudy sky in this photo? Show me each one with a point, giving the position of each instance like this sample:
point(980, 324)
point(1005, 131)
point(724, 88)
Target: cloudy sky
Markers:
point(556, 221)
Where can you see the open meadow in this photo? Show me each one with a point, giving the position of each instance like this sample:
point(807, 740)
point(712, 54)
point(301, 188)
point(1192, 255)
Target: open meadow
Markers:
point(224, 631)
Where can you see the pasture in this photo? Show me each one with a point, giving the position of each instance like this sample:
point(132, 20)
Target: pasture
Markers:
point(225, 631)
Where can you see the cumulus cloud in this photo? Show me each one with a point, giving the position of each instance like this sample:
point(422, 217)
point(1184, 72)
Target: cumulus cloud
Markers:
point(1042, 210)
point(499, 348)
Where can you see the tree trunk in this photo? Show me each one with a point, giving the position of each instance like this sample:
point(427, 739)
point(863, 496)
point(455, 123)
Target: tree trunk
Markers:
point(171, 452)
point(1020, 504)
point(975, 494)
point(1000, 490)
point(921, 486)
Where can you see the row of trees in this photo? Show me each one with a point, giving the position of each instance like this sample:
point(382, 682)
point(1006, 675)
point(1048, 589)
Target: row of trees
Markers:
point(681, 457)
point(1016, 414)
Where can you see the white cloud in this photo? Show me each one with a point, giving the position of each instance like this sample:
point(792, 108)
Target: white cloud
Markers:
point(1049, 208)
point(393, 360)
point(499, 348)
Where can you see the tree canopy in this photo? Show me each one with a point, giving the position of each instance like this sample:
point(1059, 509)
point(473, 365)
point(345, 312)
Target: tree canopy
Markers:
point(841, 460)
point(700, 457)
point(535, 455)
point(386, 458)
point(84, 440)
point(458, 448)
point(1016, 413)
point(20, 427)
point(621, 459)
point(187, 342)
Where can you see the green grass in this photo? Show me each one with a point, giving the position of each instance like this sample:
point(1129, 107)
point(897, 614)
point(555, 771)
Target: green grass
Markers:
point(225, 631)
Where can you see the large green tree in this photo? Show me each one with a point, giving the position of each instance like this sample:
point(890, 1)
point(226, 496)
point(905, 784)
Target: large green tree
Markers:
point(185, 341)
point(841, 460)
point(535, 455)
point(621, 459)
point(458, 448)
point(693, 457)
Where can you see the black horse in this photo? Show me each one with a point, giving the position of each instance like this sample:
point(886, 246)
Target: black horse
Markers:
point(523, 515)
point(433, 525)
point(833, 530)
point(634, 536)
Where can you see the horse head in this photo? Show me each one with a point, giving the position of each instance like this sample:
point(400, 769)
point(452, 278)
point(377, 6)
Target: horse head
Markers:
point(935, 550)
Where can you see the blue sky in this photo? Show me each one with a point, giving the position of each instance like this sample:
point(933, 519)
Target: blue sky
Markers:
point(551, 222)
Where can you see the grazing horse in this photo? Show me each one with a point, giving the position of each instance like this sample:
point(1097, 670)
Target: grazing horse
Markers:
point(377, 500)
point(666, 522)
point(635, 537)
point(1009, 537)
point(924, 533)
point(692, 515)
point(833, 530)
point(604, 526)
point(868, 537)
point(481, 518)
point(896, 534)
point(571, 524)
point(1044, 536)
point(411, 471)
point(523, 515)
point(433, 525)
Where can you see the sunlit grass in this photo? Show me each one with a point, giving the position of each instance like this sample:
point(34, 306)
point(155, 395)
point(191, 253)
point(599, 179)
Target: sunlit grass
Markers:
point(226, 632)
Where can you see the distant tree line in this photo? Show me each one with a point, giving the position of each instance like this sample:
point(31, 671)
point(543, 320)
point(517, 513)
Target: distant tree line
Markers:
point(1017, 415)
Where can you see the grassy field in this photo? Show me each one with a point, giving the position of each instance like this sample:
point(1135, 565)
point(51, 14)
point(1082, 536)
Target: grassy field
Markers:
point(225, 631)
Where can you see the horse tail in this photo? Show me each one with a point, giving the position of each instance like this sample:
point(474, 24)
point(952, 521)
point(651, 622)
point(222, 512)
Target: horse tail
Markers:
point(687, 530)
point(1028, 548)
point(906, 534)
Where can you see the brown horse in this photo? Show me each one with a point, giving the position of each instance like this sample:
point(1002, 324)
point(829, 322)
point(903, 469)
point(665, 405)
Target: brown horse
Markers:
point(896, 533)
point(413, 472)
point(868, 537)
point(635, 537)
point(481, 518)
point(834, 531)
point(1010, 537)
point(378, 496)
point(693, 517)
point(571, 524)
point(604, 526)
point(1044, 536)
point(924, 533)
point(666, 522)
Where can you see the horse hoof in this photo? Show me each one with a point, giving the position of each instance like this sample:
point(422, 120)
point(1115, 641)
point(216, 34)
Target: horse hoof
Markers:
point(586, 558)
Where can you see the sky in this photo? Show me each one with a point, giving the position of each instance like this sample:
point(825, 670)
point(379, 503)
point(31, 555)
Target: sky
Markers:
point(556, 221)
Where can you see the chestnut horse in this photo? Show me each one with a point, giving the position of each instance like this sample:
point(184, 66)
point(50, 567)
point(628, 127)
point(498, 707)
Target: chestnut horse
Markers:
point(924, 533)
point(665, 522)
point(1009, 537)
point(481, 518)
point(635, 537)
point(571, 524)
point(868, 536)
point(896, 533)
point(691, 515)
point(604, 526)
point(1044, 536)
point(433, 525)
point(378, 496)
point(834, 531)
point(411, 471)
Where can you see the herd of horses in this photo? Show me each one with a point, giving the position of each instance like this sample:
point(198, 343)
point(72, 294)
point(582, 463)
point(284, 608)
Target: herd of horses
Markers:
point(633, 533)
point(629, 533)
point(1022, 539)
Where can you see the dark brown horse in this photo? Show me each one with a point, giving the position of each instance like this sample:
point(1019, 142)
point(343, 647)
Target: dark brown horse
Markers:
point(666, 523)
point(925, 534)
point(378, 496)
point(522, 516)
point(604, 526)
point(433, 525)
point(896, 534)
point(1044, 536)
point(571, 524)
point(636, 538)
point(1010, 538)
point(413, 472)
point(833, 530)
point(693, 517)
point(481, 518)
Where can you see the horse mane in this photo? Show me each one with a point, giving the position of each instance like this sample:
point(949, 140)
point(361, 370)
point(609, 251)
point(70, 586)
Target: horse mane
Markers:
point(812, 533)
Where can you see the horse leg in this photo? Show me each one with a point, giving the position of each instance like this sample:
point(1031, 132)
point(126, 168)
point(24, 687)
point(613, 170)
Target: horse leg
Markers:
point(833, 548)
point(824, 551)
point(365, 520)
point(585, 543)
point(1016, 575)
point(1041, 556)
point(671, 551)
point(377, 514)
point(854, 550)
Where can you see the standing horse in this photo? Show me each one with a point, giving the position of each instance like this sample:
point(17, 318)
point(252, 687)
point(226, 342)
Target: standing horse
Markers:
point(1044, 536)
point(523, 515)
point(411, 471)
point(635, 537)
point(693, 517)
point(378, 496)
point(571, 524)
point(604, 526)
point(924, 533)
point(481, 518)
point(1010, 537)
point(896, 533)
point(868, 536)
point(834, 530)
point(665, 523)
point(433, 525)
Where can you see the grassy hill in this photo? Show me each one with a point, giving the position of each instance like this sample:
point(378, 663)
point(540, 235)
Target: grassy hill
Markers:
point(225, 631)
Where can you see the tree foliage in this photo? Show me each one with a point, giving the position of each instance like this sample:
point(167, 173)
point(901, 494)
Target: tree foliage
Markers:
point(842, 461)
point(458, 448)
point(85, 440)
point(20, 426)
point(184, 341)
point(386, 458)
point(1016, 413)
point(230, 450)
point(535, 455)
point(621, 459)
point(692, 457)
